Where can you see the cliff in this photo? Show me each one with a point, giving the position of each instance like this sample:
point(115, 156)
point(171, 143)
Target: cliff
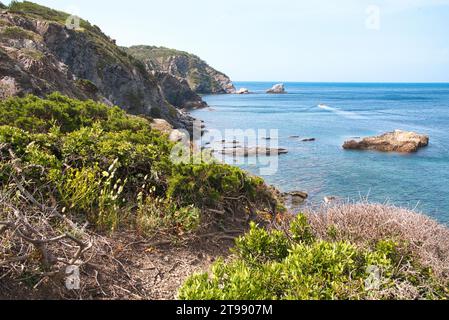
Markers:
point(41, 54)
point(201, 77)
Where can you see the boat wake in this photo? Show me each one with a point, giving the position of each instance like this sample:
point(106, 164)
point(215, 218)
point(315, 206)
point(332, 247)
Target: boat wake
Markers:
point(345, 114)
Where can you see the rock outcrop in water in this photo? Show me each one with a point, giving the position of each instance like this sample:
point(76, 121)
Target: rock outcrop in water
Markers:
point(40, 54)
point(243, 91)
point(277, 89)
point(295, 197)
point(397, 141)
point(201, 77)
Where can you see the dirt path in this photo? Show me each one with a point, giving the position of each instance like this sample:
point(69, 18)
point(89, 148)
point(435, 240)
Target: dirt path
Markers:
point(127, 268)
point(158, 272)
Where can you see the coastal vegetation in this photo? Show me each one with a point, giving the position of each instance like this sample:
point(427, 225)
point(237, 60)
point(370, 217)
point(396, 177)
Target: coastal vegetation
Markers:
point(70, 169)
point(327, 257)
point(96, 166)
point(74, 151)
point(88, 185)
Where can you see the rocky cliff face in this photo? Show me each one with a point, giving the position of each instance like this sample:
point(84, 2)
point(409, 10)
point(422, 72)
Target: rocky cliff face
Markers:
point(178, 92)
point(202, 78)
point(40, 54)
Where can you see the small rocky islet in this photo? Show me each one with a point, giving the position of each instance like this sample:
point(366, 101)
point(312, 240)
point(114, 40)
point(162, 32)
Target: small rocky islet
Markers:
point(277, 89)
point(396, 141)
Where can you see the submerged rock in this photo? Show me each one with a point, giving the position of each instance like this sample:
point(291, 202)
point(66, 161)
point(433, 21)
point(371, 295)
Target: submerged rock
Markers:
point(254, 151)
point(276, 89)
point(397, 141)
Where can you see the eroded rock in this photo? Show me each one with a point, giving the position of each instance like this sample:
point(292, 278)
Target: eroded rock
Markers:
point(243, 91)
point(276, 89)
point(397, 141)
point(296, 197)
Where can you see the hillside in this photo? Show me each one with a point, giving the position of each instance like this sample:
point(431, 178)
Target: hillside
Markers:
point(40, 54)
point(78, 178)
point(201, 77)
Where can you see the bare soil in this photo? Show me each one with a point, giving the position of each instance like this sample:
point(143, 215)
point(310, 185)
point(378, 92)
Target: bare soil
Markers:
point(129, 268)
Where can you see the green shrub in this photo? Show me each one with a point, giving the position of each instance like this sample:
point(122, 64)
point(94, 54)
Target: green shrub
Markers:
point(13, 32)
point(78, 188)
point(87, 86)
point(207, 184)
point(156, 112)
point(33, 54)
point(94, 160)
point(300, 230)
point(39, 115)
point(260, 246)
point(157, 215)
point(277, 265)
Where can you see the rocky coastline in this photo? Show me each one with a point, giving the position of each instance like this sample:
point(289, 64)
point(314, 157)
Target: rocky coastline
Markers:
point(40, 55)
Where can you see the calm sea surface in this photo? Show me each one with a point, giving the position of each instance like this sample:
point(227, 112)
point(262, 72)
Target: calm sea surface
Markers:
point(322, 168)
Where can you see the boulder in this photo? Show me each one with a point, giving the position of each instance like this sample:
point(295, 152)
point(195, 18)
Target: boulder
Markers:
point(276, 89)
point(397, 141)
point(296, 197)
point(178, 136)
point(162, 126)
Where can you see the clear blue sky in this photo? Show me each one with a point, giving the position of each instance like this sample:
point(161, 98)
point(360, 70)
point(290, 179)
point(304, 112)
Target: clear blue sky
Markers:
point(287, 40)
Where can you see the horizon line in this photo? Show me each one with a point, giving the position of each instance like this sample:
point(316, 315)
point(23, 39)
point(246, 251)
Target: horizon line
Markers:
point(354, 82)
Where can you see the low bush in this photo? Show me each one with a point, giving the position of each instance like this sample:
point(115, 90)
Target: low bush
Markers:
point(13, 32)
point(365, 224)
point(297, 265)
point(100, 164)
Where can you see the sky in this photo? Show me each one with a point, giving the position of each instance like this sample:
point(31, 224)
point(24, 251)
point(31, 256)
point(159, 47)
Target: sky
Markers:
point(287, 40)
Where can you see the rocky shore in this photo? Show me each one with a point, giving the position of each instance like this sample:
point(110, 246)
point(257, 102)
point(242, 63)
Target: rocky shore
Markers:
point(37, 53)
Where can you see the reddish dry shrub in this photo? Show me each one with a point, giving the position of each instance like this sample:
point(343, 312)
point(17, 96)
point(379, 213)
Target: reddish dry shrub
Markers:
point(366, 224)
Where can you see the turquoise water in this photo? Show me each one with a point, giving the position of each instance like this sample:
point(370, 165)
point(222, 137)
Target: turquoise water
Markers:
point(322, 168)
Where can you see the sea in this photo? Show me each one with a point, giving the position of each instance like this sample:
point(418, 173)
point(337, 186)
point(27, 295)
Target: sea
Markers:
point(332, 113)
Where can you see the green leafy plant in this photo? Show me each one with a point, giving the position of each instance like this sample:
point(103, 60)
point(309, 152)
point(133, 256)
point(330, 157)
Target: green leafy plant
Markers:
point(294, 265)
point(92, 160)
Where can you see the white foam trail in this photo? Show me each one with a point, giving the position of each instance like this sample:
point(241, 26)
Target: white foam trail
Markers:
point(345, 114)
